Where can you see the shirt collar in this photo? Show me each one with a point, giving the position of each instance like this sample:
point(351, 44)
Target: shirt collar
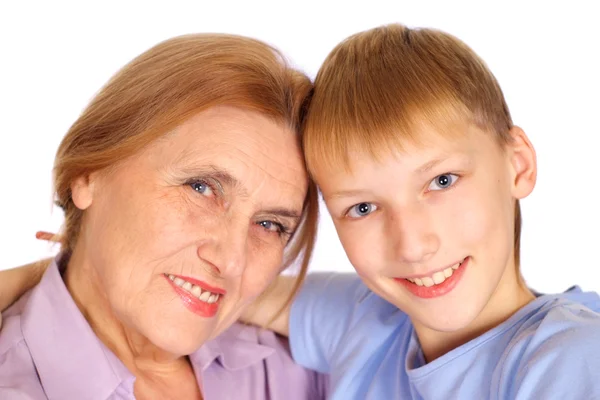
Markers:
point(71, 361)
point(236, 348)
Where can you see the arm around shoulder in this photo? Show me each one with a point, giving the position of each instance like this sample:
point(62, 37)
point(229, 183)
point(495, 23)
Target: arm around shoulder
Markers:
point(321, 316)
point(270, 309)
point(317, 318)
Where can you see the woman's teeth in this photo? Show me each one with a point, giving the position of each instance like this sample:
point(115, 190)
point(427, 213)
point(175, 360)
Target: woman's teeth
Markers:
point(202, 295)
point(435, 279)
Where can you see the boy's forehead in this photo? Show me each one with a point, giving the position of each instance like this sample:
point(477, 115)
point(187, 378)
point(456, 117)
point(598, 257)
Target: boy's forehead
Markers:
point(416, 157)
point(423, 146)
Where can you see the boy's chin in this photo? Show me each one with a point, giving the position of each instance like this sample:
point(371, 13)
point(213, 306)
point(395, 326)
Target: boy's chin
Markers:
point(455, 323)
point(452, 317)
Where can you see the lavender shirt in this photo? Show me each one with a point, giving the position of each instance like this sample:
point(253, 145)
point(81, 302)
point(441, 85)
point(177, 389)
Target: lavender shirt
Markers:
point(49, 351)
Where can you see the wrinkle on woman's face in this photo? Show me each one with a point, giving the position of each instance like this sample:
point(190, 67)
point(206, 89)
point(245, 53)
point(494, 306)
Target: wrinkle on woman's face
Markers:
point(215, 200)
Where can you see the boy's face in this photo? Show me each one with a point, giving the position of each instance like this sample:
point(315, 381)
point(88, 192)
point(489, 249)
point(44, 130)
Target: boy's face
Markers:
point(431, 228)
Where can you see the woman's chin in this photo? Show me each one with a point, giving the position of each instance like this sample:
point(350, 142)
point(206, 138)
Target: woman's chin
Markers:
point(179, 342)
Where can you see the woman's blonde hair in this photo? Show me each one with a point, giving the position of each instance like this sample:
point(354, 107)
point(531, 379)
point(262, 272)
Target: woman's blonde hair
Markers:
point(165, 86)
point(378, 88)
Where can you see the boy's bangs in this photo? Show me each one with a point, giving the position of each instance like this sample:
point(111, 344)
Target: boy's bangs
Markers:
point(339, 131)
point(378, 90)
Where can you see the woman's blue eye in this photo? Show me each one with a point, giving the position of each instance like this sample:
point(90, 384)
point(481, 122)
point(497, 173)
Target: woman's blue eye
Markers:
point(443, 181)
point(361, 210)
point(272, 226)
point(202, 188)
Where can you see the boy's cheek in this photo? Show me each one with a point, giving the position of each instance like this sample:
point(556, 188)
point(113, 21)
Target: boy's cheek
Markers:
point(478, 221)
point(365, 251)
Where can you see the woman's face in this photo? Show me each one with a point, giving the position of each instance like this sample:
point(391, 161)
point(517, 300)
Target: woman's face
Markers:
point(184, 235)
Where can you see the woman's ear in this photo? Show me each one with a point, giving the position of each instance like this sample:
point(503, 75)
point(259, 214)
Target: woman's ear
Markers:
point(82, 191)
point(523, 162)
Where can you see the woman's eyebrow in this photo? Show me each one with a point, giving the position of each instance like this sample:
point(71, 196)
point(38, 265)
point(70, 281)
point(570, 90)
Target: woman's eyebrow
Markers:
point(229, 180)
point(285, 213)
point(224, 177)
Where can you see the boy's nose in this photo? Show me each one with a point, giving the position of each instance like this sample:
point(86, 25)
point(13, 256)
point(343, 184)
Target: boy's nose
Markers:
point(413, 239)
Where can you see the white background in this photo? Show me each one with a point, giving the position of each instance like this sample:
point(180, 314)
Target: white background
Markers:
point(54, 56)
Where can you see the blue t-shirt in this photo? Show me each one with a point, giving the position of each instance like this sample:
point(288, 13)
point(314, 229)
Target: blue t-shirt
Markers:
point(549, 349)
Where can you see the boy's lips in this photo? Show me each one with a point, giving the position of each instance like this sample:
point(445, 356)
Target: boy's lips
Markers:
point(437, 284)
point(442, 272)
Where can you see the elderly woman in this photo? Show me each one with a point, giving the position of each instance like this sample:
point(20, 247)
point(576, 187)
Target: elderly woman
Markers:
point(184, 192)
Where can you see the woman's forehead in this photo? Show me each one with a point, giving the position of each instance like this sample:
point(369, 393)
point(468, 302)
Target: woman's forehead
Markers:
point(250, 147)
point(235, 134)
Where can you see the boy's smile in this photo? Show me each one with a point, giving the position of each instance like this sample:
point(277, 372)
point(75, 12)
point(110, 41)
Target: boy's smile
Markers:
point(430, 227)
point(437, 283)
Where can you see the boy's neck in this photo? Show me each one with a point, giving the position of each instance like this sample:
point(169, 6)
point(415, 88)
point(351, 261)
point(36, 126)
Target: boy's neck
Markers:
point(510, 296)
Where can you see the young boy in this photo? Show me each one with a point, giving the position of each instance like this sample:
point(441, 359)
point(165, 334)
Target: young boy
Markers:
point(412, 145)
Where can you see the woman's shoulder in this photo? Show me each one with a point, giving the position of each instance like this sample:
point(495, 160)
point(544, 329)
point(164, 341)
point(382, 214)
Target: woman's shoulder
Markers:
point(18, 377)
point(245, 353)
point(11, 334)
point(243, 344)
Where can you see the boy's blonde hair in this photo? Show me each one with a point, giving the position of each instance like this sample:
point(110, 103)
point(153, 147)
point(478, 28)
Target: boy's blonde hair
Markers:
point(378, 88)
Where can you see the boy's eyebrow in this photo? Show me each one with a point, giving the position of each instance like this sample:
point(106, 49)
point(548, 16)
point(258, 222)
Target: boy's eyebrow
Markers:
point(347, 193)
point(463, 158)
point(429, 165)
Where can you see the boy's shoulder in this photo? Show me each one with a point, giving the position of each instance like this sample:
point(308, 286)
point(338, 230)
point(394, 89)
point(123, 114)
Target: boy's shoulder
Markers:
point(555, 347)
point(570, 314)
point(363, 302)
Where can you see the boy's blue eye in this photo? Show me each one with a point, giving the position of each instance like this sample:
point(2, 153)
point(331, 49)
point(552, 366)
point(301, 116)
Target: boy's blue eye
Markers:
point(361, 210)
point(443, 181)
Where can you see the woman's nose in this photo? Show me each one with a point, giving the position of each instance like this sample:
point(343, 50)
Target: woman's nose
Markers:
point(225, 252)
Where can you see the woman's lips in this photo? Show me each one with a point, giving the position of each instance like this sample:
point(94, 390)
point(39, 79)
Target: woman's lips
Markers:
point(199, 297)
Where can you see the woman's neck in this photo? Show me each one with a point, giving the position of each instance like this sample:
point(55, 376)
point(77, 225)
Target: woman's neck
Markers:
point(156, 370)
point(510, 296)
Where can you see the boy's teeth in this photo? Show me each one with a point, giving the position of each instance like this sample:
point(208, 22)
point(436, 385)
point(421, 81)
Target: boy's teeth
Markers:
point(435, 279)
point(427, 281)
point(438, 278)
point(203, 295)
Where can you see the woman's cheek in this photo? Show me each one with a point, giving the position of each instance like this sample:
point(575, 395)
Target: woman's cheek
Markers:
point(261, 270)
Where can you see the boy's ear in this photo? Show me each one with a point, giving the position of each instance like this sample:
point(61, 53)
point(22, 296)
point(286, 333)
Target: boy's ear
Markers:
point(82, 191)
point(523, 162)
